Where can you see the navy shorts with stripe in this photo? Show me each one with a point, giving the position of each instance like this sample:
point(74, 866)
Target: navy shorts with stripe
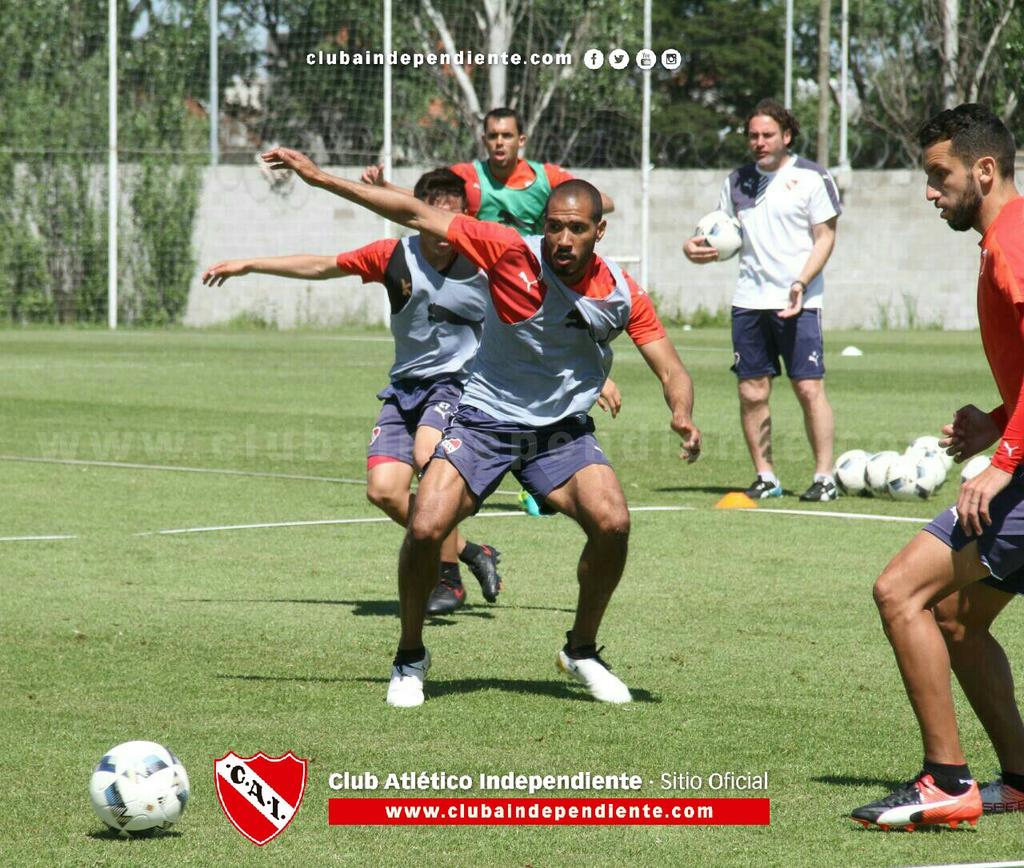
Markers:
point(483, 449)
point(1001, 544)
point(761, 337)
point(408, 405)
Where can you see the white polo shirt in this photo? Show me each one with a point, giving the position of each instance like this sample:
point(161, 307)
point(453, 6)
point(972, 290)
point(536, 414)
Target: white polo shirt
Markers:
point(777, 211)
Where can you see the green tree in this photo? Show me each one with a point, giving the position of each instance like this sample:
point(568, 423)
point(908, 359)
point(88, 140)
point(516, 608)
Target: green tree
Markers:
point(53, 86)
point(898, 59)
point(571, 114)
point(732, 53)
point(335, 111)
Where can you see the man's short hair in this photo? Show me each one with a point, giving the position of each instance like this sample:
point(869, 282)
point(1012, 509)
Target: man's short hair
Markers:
point(501, 113)
point(438, 184)
point(777, 112)
point(577, 187)
point(973, 132)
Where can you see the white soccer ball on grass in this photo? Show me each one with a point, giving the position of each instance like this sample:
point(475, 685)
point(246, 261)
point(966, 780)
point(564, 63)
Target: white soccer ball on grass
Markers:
point(138, 786)
point(934, 471)
point(909, 478)
point(722, 232)
point(929, 446)
point(875, 472)
point(849, 471)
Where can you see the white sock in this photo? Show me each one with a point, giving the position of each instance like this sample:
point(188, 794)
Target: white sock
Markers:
point(769, 477)
point(824, 477)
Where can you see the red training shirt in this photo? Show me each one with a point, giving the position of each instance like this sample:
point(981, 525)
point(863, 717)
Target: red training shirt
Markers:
point(1001, 317)
point(369, 262)
point(517, 288)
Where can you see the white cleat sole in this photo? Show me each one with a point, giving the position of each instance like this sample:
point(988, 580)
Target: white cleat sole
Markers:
point(601, 684)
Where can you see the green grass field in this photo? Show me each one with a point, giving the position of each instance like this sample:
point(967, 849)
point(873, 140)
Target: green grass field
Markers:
point(749, 638)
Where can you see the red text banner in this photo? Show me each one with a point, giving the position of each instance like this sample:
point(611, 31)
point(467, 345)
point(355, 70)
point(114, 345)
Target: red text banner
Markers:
point(545, 812)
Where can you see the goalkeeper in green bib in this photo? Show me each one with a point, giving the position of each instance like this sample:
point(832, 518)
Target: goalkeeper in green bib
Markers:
point(505, 189)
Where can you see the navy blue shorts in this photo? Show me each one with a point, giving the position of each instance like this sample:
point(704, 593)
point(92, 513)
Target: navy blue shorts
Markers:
point(1001, 544)
point(483, 449)
point(760, 337)
point(408, 405)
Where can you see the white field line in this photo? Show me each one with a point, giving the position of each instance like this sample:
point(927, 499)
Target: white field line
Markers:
point(124, 465)
point(513, 514)
point(38, 538)
point(374, 520)
point(313, 523)
point(977, 865)
point(856, 516)
point(262, 526)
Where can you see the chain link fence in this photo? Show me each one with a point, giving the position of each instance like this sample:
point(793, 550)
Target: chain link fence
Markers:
point(320, 74)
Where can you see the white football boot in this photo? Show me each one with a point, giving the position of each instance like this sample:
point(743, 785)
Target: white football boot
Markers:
point(594, 674)
point(406, 687)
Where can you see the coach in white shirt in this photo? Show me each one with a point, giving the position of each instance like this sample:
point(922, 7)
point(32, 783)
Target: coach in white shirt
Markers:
point(788, 207)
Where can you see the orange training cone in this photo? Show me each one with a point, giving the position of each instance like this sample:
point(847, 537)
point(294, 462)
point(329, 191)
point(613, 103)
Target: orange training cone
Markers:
point(736, 500)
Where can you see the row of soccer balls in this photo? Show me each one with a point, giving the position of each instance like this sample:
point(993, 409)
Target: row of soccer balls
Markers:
point(916, 474)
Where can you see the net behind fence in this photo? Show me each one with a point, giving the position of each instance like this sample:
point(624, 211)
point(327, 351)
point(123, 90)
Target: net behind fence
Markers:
point(309, 74)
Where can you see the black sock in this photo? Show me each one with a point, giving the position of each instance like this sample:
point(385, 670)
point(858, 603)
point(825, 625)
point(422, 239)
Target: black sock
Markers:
point(955, 780)
point(1012, 779)
point(469, 552)
point(405, 656)
point(581, 652)
point(450, 572)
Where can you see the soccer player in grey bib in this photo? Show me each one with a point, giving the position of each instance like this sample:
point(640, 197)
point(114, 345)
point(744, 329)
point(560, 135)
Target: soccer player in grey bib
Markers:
point(437, 300)
point(525, 410)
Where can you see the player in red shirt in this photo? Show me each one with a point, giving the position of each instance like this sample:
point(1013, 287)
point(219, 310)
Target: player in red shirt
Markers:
point(504, 188)
point(504, 258)
point(431, 364)
point(525, 406)
point(939, 596)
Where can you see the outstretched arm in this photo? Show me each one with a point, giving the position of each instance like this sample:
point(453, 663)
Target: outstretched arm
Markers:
point(664, 362)
point(393, 206)
point(304, 266)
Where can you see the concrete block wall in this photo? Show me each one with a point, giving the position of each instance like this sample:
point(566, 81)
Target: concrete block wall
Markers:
point(896, 263)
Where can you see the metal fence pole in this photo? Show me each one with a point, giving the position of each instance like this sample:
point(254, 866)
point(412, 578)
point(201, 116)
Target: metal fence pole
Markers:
point(844, 117)
point(788, 74)
point(214, 90)
point(645, 159)
point(386, 156)
point(112, 193)
point(387, 90)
